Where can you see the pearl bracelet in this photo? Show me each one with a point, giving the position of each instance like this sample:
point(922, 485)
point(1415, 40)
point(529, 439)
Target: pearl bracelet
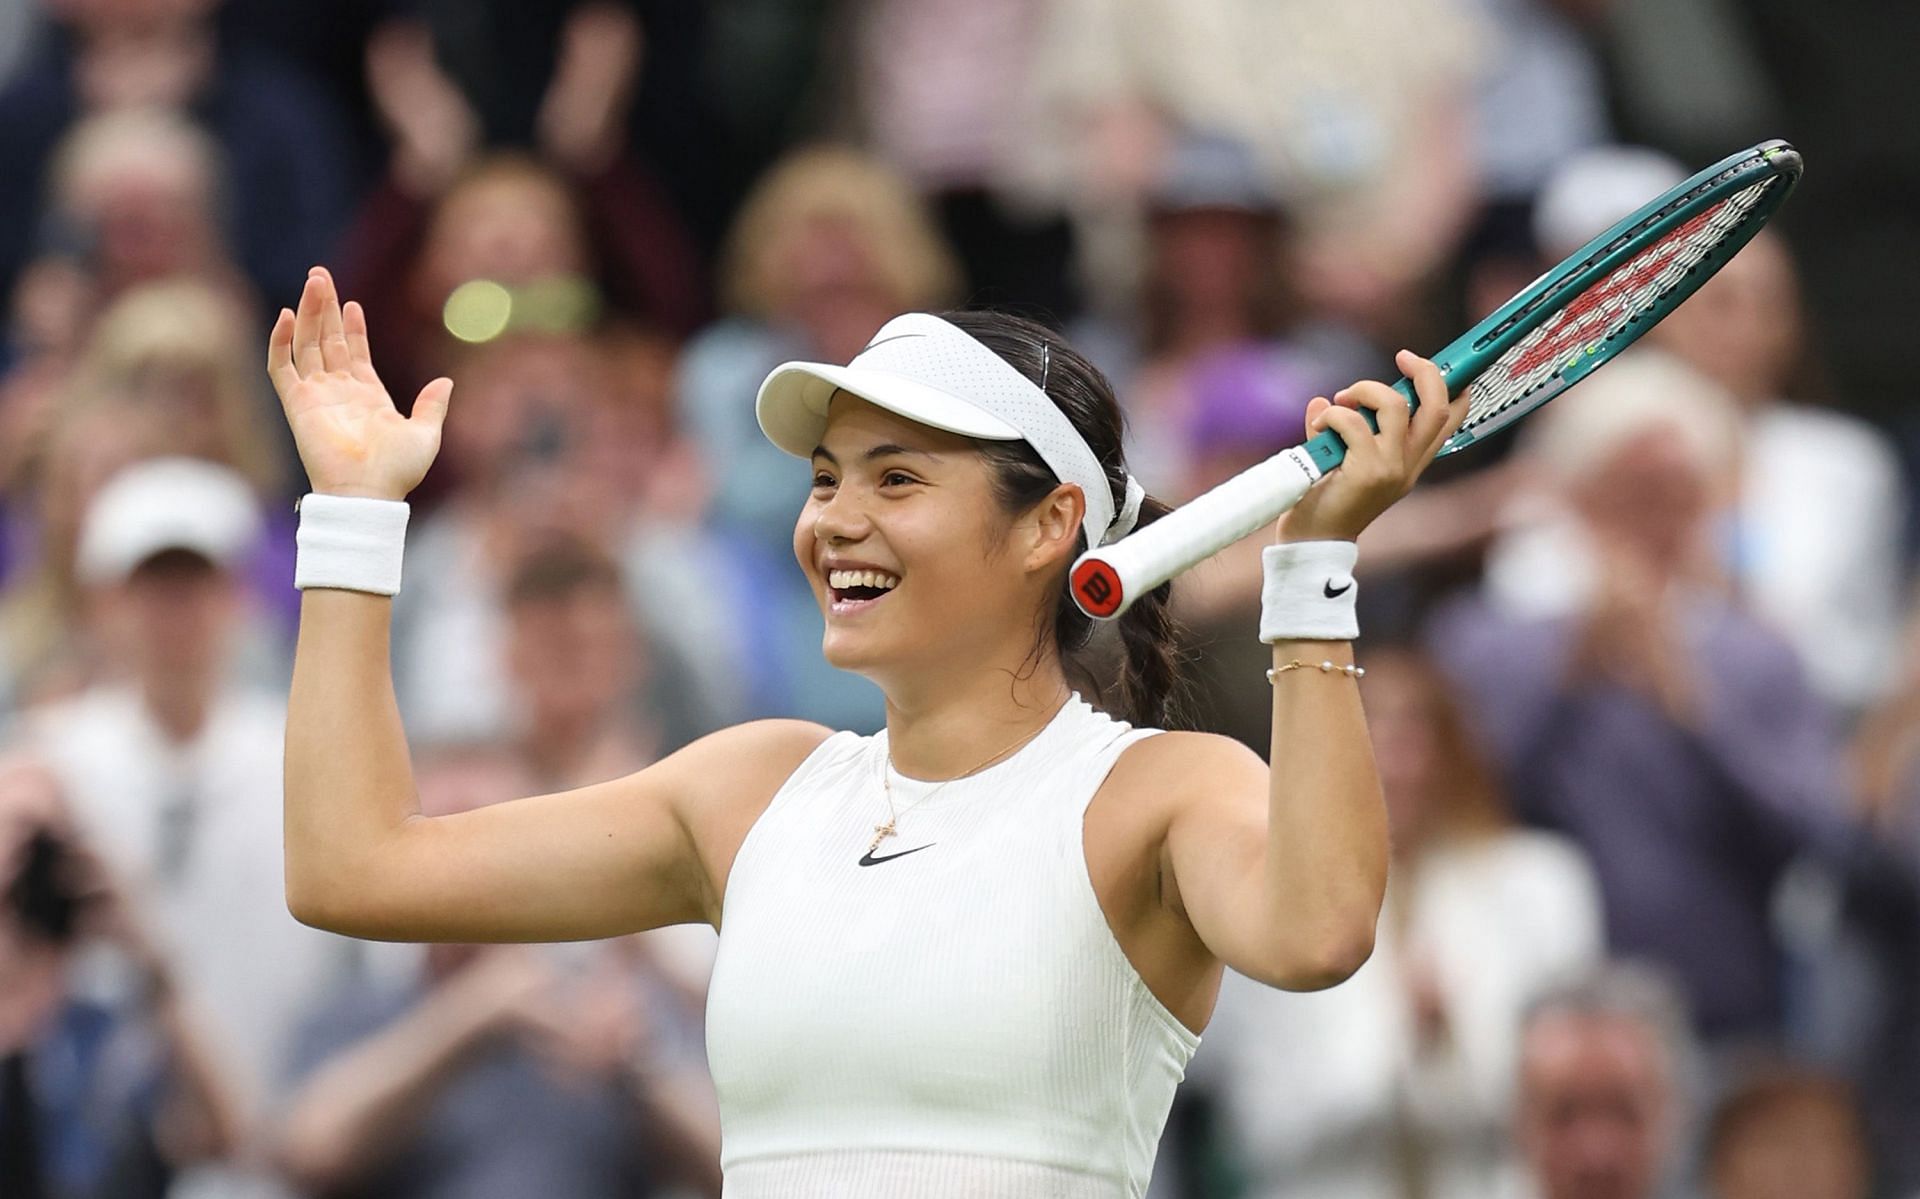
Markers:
point(1326, 667)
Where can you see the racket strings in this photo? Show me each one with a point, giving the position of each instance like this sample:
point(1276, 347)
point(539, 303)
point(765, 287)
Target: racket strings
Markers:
point(1601, 313)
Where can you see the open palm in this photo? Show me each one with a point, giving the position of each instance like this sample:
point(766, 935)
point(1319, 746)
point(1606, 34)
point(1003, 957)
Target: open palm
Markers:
point(352, 440)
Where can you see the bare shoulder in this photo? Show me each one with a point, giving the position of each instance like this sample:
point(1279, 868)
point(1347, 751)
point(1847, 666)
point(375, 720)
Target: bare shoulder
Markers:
point(724, 782)
point(762, 744)
point(1178, 769)
point(741, 766)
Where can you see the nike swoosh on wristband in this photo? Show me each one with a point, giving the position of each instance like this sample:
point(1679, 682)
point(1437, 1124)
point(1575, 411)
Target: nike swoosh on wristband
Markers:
point(1335, 593)
point(867, 859)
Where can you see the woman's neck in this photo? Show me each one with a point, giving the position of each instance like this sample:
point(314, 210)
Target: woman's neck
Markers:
point(947, 726)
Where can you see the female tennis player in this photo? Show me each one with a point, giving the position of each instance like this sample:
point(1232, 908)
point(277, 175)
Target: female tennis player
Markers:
point(970, 955)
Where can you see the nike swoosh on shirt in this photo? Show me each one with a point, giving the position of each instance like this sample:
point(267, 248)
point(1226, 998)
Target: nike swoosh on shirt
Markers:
point(868, 859)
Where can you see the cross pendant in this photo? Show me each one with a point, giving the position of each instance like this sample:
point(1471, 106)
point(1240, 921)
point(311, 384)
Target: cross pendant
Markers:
point(880, 833)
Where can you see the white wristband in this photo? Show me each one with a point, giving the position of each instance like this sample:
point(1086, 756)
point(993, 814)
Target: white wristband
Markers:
point(351, 543)
point(1309, 592)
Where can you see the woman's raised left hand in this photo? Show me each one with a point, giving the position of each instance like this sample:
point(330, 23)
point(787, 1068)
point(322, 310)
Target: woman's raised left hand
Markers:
point(1381, 466)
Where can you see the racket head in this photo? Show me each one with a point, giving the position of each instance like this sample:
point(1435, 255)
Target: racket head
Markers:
point(1603, 296)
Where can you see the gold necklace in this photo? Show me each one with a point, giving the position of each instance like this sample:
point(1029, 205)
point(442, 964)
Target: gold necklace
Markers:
point(882, 831)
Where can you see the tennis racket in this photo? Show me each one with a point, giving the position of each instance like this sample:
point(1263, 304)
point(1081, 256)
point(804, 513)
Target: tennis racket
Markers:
point(1557, 331)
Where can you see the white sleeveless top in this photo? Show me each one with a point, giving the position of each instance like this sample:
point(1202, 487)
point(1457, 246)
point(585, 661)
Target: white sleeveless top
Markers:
point(954, 1020)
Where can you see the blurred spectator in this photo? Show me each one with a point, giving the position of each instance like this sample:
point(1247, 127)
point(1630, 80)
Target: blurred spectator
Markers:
point(136, 196)
point(578, 668)
point(166, 370)
point(184, 351)
point(281, 140)
point(555, 237)
point(42, 650)
point(97, 1100)
point(945, 93)
point(505, 1071)
point(830, 246)
point(1215, 282)
point(1539, 98)
point(1685, 74)
point(1875, 981)
point(1364, 152)
point(1399, 1082)
point(1786, 1132)
point(175, 769)
point(1633, 706)
point(1814, 533)
point(1604, 1083)
point(1823, 508)
point(551, 441)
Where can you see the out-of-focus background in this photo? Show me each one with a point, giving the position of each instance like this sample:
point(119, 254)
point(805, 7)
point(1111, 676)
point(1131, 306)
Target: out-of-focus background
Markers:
point(1643, 680)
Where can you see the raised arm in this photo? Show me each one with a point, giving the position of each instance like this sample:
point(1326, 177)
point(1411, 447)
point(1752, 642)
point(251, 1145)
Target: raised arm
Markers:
point(1281, 870)
point(616, 857)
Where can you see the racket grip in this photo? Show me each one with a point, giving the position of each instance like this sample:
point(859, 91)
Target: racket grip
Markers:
point(1106, 580)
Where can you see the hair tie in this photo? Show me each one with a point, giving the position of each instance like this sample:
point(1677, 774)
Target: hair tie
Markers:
point(1129, 514)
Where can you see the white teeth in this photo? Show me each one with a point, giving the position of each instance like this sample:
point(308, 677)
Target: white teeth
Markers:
point(840, 580)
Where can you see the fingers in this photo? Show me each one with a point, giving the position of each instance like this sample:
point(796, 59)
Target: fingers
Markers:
point(430, 406)
point(1363, 452)
point(1430, 419)
point(1316, 414)
point(333, 335)
point(1389, 410)
point(353, 320)
point(319, 335)
point(306, 329)
point(280, 355)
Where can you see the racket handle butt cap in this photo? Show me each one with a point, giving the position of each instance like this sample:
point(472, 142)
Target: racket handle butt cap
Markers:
point(1097, 589)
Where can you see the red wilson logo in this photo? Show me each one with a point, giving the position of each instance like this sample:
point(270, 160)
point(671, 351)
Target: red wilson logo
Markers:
point(1588, 316)
point(1097, 587)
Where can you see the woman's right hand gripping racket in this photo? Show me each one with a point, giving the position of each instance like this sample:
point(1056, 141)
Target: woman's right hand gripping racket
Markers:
point(1556, 332)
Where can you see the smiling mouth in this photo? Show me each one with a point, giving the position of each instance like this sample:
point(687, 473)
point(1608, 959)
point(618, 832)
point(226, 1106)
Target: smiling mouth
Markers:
point(855, 590)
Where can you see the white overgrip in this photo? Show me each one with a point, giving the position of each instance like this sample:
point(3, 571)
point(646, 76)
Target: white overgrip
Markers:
point(1197, 530)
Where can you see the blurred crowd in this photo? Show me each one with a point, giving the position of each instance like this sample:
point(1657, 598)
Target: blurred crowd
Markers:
point(1643, 679)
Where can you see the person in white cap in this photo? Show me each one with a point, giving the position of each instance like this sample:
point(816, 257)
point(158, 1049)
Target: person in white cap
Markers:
point(969, 955)
point(173, 764)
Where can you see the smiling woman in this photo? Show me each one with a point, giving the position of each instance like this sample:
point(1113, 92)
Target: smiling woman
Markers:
point(1007, 1007)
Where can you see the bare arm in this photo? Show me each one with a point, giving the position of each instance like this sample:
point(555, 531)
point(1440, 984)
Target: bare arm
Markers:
point(1281, 871)
point(598, 861)
point(201, 1117)
point(364, 1102)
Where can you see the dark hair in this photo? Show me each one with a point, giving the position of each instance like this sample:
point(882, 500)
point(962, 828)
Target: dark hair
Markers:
point(1150, 689)
point(559, 568)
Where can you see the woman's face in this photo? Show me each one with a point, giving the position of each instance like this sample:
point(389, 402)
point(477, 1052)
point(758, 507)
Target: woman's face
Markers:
point(826, 262)
point(908, 550)
point(1210, 258)
point(512, 229)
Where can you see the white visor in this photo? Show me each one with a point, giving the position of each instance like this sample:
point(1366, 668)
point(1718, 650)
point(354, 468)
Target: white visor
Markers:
point(920, 367)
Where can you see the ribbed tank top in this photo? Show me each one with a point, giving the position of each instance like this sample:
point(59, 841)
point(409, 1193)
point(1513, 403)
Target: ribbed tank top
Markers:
point(957, 1021)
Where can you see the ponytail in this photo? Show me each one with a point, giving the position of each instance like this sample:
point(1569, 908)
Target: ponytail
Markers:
point(1152, 689)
